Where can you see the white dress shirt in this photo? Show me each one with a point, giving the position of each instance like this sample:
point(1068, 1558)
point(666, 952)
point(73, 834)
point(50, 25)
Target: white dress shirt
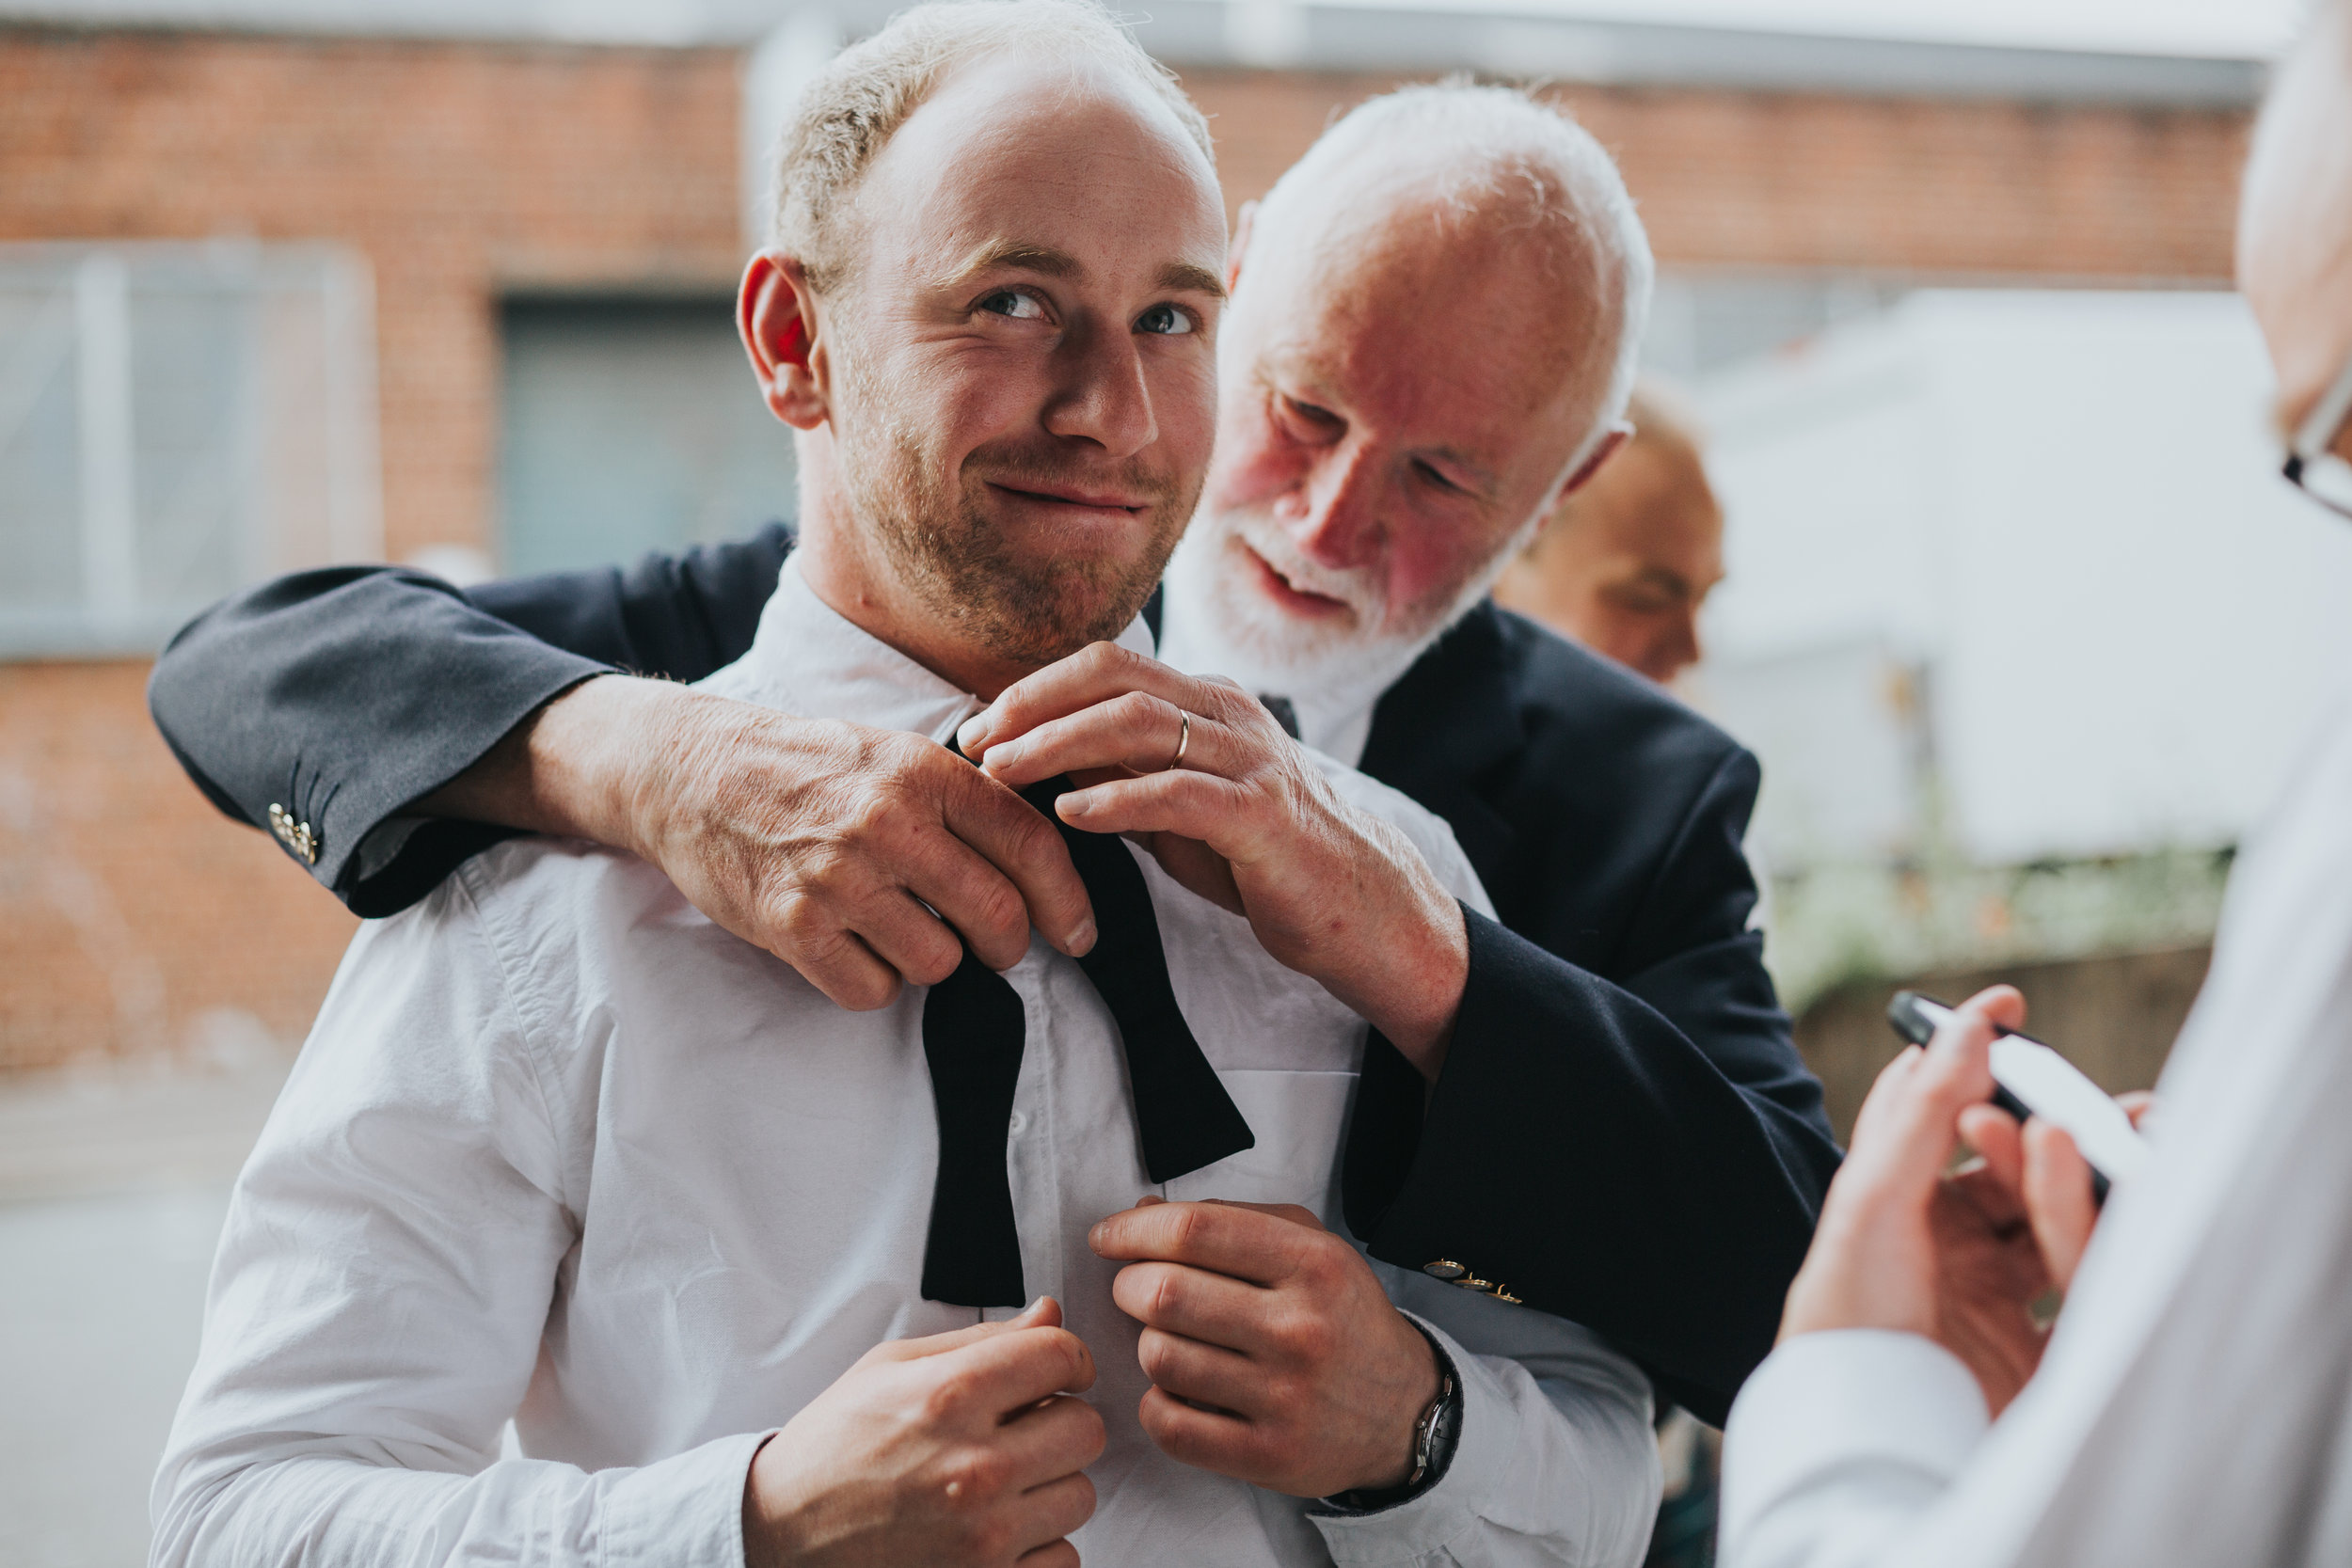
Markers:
point(2194, 1408)
point(560, 1151)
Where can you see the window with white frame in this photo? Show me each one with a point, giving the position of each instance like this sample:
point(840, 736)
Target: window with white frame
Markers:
point(176, 421)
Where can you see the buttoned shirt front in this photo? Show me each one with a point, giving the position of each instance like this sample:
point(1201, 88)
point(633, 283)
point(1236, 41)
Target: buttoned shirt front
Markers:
point(561, 1150)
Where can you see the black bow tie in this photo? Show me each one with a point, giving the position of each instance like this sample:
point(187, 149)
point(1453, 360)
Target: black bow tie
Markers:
point(973, 1028)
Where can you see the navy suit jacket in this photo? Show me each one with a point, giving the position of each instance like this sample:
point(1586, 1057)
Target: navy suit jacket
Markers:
point(1622, 1133)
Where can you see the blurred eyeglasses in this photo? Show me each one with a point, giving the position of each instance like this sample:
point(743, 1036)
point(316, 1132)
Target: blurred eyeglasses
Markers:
point(2310, 466)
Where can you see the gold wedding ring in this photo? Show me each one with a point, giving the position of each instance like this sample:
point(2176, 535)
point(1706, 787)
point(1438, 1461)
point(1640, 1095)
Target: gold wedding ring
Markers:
point(1183, 739)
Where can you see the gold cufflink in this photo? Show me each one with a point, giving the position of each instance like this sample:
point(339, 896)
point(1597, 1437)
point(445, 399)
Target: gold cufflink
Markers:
point(296, 836)
point(1452, 1272)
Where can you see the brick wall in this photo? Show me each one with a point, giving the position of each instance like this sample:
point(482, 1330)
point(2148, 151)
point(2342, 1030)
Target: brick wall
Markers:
point(131, 914)
point(461, 169)
point(132, 917)
point(1746, 179)
point(456, 170)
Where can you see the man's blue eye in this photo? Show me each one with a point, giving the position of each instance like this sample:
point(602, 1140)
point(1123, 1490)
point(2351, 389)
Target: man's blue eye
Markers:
point(1164, 319)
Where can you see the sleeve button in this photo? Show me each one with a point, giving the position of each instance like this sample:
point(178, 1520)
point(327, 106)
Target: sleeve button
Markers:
point(296, 836)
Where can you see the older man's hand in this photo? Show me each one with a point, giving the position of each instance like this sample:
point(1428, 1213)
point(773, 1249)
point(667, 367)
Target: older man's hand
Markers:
point(855, 855)
point(1274, 1356)
point(1247, 821)
point(1961, 1257)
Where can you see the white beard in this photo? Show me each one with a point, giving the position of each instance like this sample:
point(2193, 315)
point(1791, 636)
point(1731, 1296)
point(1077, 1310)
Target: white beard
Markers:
point(1220, 622)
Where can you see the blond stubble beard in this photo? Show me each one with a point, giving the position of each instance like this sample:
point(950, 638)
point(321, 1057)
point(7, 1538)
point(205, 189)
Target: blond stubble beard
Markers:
point(943, 547)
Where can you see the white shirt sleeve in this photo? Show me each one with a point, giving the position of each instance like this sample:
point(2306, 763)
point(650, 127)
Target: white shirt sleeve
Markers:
point(1556, 1463)
point(1837, 1441)
point(376, 1304)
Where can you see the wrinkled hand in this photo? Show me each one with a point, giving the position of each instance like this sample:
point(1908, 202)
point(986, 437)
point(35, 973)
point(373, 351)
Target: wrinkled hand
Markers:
point(960, 1448)
point(1273, 1353)
point(1248, 821)
point(821, 842)
point(1959, 1255)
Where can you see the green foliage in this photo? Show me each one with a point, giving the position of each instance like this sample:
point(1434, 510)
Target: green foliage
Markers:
point(1853, 922)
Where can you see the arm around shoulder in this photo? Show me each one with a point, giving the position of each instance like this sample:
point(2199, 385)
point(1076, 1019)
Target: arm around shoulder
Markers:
point(322, 706)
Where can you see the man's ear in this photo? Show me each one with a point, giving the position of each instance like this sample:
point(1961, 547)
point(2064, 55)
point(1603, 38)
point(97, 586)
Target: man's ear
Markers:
point(1618, 435)
point(1239, 244)
point(776, 313)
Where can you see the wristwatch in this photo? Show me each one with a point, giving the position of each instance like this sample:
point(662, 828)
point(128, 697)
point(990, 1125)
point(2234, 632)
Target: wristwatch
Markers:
point(1435, 1434)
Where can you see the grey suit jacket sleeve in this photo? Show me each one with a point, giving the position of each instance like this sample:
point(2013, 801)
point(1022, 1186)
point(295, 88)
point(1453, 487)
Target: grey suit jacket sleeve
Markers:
point(341, 696)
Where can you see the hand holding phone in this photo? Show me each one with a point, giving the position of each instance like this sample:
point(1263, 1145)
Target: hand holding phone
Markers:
point(2033, 1080)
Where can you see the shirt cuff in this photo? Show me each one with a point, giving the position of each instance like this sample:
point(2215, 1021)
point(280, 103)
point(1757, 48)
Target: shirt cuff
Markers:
point(1836, 1406)
point(1417, 1530)
point(686, 1511)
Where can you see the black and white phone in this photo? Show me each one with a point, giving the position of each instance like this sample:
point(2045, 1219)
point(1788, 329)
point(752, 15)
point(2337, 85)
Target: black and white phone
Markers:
point(2030, 1079)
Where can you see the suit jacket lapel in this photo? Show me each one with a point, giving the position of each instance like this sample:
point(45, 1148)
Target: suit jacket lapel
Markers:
point(1446, 727)
point(1446, 723)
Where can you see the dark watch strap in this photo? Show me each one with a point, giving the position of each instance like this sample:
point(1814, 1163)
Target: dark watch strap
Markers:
point(1435, 1437)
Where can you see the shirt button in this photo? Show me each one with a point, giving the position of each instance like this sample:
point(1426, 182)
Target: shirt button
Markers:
point(1445, 1269)
point(1017, 1125)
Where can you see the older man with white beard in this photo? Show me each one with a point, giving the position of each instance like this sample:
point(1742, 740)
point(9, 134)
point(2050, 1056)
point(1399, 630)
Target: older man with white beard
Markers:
point(1595, 1109)
point(1350, 519)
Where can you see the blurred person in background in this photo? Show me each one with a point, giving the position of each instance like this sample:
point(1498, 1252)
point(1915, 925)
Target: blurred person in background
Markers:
point(1617, 1129)
point(1624, 563)
point(2193, 1406)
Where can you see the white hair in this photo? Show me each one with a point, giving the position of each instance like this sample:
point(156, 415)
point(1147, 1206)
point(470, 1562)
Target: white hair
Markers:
point(1482, 145)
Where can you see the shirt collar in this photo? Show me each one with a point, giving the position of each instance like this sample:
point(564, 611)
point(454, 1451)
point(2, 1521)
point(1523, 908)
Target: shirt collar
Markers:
point(810, 659)
point(1334, 712)
point(1337, 720)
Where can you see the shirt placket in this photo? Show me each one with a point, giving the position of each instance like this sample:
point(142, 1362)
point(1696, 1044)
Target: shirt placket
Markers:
point(1031, 1156)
